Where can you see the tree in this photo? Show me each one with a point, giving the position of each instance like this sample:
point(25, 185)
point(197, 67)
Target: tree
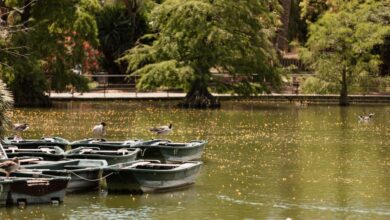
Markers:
point(6, 103)
point(49, 42)
point(196, 36)
point(311, 10)
point(116, 34)
point(341, 44)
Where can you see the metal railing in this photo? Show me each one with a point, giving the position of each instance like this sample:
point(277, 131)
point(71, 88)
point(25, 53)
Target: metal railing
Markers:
point(128, 83)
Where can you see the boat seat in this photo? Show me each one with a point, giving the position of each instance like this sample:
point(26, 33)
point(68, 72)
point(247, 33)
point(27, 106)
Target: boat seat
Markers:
point(139, 164)
point(29, 160)
point(185, 165)
point(73, 167)
point(48, 139)
point(87, 150)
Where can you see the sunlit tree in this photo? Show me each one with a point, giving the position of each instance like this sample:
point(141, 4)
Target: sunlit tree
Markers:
point(48, 39)
point(197, 36)
point(342, 44)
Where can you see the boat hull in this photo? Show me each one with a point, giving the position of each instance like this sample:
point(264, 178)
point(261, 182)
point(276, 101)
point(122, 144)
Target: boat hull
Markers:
point(170, 152)
point(85, 174)
point(143, 180)
point(4, 190)
point(81, 180)
point(33, 188)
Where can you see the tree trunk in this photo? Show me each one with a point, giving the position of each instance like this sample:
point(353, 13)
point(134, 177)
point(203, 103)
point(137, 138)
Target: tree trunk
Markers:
point(282, 36)
point(132, 7)
point(25, 16)
point(199, 97)
point(344, 90)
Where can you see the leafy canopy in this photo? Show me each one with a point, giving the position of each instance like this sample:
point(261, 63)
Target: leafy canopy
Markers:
point(50, 39)
point(194, 36)
point(345, 40)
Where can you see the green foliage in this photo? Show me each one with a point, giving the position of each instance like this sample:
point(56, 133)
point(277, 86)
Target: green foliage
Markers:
point(311, 10)
point(341, 43)
point(196, 35)
point(115, 29)
point(50, 41)
point(314, 85)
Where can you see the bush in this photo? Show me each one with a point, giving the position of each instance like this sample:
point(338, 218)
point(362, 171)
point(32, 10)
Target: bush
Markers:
point(314, 85)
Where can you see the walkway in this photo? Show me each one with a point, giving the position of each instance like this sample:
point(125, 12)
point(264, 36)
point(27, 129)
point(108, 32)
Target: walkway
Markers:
point(119, 95)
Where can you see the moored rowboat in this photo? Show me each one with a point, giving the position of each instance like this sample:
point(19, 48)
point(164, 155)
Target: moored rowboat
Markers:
point(166, 150)
point(121, 155)
point(104, 144)
point(53, 153)
point(85, 174)
point(34, 143)
point(28, 188)
point(150, 175)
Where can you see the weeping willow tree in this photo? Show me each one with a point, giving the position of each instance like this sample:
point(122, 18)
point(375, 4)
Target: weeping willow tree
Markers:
point(6, 103)
point(194, 37)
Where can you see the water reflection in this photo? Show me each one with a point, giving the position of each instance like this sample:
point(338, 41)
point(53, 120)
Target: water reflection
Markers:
point(263, 161)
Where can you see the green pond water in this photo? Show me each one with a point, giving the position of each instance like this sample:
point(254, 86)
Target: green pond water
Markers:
point(262, 161)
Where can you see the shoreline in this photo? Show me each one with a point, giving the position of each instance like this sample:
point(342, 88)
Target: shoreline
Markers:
point(172, 96)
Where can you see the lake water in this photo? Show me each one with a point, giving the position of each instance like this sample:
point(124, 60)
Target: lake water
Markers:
point(262, 161)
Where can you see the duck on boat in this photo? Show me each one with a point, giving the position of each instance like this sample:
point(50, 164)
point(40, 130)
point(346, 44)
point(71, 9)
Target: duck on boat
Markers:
point(18, 129)
point(114, 156)
point(9, 166)
point(150, 175)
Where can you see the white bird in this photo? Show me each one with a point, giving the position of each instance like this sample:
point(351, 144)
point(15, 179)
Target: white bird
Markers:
point(162, 129)
point(99, 130)
point(366, 117)
point(9, 166)
point(18, 129)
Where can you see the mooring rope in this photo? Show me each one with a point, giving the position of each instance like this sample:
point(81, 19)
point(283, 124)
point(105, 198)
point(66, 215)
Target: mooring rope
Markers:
point(83, 178)
point(143, 152)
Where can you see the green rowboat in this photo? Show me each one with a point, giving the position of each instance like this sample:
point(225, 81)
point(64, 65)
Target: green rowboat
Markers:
point(150, 176)
point(121, 155)
point(34, 143)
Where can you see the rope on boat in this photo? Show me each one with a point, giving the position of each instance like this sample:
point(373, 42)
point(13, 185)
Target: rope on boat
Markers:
point(83, 178)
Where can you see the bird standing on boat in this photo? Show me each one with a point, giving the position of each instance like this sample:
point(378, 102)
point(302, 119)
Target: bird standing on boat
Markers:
point(366, 117)
point(18, 129)
point(162, 129)
point(9, 166)
point(99, 130)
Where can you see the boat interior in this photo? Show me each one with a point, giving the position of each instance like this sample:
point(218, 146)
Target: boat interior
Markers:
point(155, 165)
point(40, 149)
point(96, 150)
